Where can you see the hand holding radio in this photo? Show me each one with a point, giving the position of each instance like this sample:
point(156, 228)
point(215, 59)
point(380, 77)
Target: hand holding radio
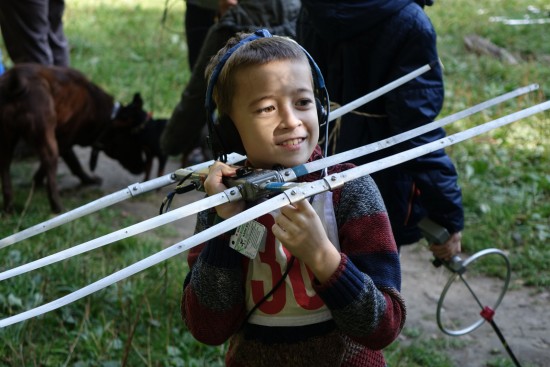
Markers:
point(444, 246)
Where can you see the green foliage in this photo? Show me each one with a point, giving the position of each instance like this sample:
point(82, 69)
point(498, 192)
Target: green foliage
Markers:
point(417, 350)
point(128, 46)
point(131, 46)
point(504, 174)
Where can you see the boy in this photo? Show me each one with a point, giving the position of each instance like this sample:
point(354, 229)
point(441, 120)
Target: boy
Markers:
point(323, 289)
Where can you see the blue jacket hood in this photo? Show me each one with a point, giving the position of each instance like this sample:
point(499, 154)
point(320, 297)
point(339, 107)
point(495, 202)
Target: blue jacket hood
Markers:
point(346, 18)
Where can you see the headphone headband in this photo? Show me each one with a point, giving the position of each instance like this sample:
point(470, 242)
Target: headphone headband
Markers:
point(218, 69)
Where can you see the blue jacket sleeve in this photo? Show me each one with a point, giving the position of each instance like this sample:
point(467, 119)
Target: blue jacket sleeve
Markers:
point(416, 104)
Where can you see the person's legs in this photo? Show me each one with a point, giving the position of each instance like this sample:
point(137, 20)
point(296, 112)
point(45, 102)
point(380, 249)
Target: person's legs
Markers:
point(56, 37)
point(185, 129)
point(197, 22)
point(25, 28)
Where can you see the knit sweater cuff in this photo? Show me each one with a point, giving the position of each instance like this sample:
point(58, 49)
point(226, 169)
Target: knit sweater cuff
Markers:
point(343, 287)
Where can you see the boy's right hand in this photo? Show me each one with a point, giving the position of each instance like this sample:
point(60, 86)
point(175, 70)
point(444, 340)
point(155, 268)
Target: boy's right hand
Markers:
point(214, 185)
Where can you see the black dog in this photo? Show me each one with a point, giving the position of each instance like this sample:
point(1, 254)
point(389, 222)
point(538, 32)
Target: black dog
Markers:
point(147, 137)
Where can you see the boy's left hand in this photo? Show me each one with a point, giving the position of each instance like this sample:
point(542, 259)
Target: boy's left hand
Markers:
point(300, 230)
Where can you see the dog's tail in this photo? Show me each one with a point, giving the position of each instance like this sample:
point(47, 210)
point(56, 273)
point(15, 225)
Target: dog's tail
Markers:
point(13, 84)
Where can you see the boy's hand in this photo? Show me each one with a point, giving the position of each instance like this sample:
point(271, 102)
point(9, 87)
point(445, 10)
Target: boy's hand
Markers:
point(300, 230)
point(214, 185)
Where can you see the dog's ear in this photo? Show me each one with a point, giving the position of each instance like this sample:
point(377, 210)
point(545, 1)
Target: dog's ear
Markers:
point(131, 115)
point(138, 101)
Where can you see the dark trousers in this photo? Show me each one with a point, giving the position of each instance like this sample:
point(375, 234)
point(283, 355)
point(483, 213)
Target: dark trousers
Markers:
point(198, 21)
point(33, 31)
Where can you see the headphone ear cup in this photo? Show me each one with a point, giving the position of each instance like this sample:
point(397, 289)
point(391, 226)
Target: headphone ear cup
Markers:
point(229, 136)
point(321, 112)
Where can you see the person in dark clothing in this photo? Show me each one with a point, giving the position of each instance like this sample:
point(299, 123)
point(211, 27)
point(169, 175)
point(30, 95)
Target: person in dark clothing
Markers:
point(361, 46)
point(2, 68)
point(199, 17)
point(33, 31)
point(186, 127)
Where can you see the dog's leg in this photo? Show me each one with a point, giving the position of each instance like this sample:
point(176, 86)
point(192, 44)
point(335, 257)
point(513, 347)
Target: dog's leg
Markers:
point(6, 156)
point(39, 176)
point(148, 164)
point(49, 154)
point(162, 164)
point(74, 165)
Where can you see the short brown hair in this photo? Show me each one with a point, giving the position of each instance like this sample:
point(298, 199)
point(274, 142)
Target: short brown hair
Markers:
point(257, 52)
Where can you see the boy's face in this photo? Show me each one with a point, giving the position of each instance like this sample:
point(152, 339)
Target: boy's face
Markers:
point(274, 111)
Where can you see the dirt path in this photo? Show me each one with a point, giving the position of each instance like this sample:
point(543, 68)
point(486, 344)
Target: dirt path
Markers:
point(523, 315)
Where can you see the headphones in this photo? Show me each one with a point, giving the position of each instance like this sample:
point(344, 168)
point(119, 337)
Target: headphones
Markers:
point(222, 131)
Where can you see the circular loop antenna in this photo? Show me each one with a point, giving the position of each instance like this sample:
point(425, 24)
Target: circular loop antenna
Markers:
point(472, 259)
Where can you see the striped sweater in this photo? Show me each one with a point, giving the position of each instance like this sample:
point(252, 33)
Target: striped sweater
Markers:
point(362, 299)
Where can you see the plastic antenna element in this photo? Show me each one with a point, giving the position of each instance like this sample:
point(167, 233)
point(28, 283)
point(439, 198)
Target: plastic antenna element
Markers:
point(288, 197)
point(234, 194)
point(404, 136)
point(136, 189)
point(231, 194)
point(379, 92)
point(116, 197)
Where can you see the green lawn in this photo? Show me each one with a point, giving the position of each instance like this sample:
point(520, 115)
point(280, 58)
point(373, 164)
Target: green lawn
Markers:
point(128, 46)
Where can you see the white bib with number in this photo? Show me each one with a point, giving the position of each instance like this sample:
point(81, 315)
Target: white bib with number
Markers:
point(294, 303)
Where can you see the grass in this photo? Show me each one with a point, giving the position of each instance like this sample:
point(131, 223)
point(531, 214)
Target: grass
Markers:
point(129, 46)
point(505, 183)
